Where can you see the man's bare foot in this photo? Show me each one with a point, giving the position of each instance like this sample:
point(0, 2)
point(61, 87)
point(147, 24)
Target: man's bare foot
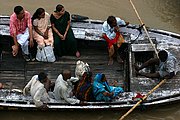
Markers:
point(136, 67)
point(110, 61)
point(14, 50)
point(137, 73)
point(119, 60)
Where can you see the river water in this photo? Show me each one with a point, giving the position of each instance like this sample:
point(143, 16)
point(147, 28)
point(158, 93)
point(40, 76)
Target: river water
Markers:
point(160, 14)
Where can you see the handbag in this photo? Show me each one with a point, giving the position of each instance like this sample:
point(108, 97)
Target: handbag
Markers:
point(45, 54)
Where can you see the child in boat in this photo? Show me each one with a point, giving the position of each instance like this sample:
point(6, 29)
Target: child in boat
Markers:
point(37, 87)
point(102, 91)
point(113, 37)
point(167, 66)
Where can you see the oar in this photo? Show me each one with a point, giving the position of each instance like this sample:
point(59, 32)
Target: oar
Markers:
point(157, 86)
point(144, 27)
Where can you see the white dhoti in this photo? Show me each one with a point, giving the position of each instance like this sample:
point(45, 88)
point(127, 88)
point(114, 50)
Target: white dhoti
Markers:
point(22, 39)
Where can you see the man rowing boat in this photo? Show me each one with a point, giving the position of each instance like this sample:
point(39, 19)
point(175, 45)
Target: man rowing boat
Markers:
point(167, 66)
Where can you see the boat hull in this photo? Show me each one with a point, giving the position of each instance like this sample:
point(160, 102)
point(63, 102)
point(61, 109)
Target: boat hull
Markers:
point(94, 52)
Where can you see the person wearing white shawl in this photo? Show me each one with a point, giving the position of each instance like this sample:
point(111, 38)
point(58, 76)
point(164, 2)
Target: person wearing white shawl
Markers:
point(37, 90)
point(63, 88)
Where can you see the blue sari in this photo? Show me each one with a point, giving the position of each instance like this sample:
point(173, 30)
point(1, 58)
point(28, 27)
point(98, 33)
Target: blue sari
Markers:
point(100, 87)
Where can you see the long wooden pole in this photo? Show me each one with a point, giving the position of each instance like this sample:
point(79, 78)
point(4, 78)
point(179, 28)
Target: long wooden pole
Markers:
point(144, 27)
point(157, 86)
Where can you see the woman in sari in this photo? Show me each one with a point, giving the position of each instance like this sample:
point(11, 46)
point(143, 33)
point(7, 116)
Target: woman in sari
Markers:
point(42, 28)
point(102, 91)
point(64, 40)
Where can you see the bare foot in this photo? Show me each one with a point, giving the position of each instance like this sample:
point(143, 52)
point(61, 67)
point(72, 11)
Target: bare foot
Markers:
point(14, 50)
point(78, 54)
point(110, 61)
point(137, 73)
point(119, 60)
point(136, 67)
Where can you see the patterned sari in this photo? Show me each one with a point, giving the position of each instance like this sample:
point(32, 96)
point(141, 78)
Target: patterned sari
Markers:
point(83, 90)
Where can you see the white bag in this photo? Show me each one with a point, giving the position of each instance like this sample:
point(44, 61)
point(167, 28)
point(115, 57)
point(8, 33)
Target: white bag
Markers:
point(45, 54)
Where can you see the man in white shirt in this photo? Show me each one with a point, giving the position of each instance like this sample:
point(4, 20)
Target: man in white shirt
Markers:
point(37, 90)
point(168, 66)
point(110, 32)
point(63, 88)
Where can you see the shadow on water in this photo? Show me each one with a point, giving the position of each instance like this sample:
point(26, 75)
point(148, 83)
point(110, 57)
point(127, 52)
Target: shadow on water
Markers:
point(167, 10)
point(59, 115)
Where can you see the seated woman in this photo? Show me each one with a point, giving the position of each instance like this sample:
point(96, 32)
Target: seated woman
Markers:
point(102, 91)
point(64, 39)
point(42, 28)
point(83, 88)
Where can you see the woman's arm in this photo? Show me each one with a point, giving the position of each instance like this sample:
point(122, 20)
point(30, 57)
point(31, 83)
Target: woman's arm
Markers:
point(46, 33)
point(38, 31)
point(56, 31)
point(108, 94)
point(67, 28)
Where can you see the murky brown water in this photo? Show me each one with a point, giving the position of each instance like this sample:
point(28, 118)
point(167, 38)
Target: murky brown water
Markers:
point(161, 14)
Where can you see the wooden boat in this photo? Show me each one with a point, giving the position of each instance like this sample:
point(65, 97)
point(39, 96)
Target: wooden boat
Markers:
point(15, 72)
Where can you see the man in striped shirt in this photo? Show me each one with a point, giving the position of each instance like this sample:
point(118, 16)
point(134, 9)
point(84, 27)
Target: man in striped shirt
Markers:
point(21, 31)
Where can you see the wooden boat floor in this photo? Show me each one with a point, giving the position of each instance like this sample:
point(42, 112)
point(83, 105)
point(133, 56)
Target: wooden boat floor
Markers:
point(15, 72)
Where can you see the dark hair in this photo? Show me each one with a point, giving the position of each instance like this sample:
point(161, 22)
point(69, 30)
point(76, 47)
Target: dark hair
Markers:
point(102, 77)
point(38, 12)
point(42, 76)
point(110, 19)
point(163, 55)
point(18, 9)
point(59, 7)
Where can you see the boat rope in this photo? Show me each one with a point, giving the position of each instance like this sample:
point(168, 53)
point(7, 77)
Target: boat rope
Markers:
point(140, 32)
